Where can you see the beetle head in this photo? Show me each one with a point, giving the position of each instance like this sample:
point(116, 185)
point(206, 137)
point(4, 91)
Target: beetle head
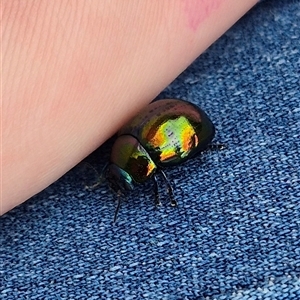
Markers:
point(118, 179)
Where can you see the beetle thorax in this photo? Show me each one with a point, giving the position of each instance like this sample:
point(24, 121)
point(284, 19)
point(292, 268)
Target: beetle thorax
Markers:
point(129, 155)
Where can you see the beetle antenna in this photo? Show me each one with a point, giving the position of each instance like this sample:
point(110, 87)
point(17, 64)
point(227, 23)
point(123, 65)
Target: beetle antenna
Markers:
point(157, 200)
point(170, 189)
point(101, 178)
point(118, 207)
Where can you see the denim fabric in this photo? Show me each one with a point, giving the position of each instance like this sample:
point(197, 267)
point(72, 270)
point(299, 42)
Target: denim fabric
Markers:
point(236, 231)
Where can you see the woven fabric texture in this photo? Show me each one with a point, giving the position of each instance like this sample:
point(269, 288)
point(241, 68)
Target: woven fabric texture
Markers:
point(236, 231)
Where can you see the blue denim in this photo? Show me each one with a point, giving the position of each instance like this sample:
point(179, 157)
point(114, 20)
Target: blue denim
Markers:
point(236, 231)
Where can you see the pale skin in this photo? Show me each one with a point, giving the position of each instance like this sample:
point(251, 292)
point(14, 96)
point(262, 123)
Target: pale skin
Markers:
point(74, 71)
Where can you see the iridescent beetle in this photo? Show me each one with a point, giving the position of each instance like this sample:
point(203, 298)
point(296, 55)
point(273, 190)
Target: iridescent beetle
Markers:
point(166, 133)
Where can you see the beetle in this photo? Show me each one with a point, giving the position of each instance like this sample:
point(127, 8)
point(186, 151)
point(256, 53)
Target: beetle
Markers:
point(165, 133)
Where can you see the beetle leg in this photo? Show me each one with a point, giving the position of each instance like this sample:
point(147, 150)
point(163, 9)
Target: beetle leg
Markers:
point(118, 206)
point(216, 147)
point(157, 200)
point(170, 189)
